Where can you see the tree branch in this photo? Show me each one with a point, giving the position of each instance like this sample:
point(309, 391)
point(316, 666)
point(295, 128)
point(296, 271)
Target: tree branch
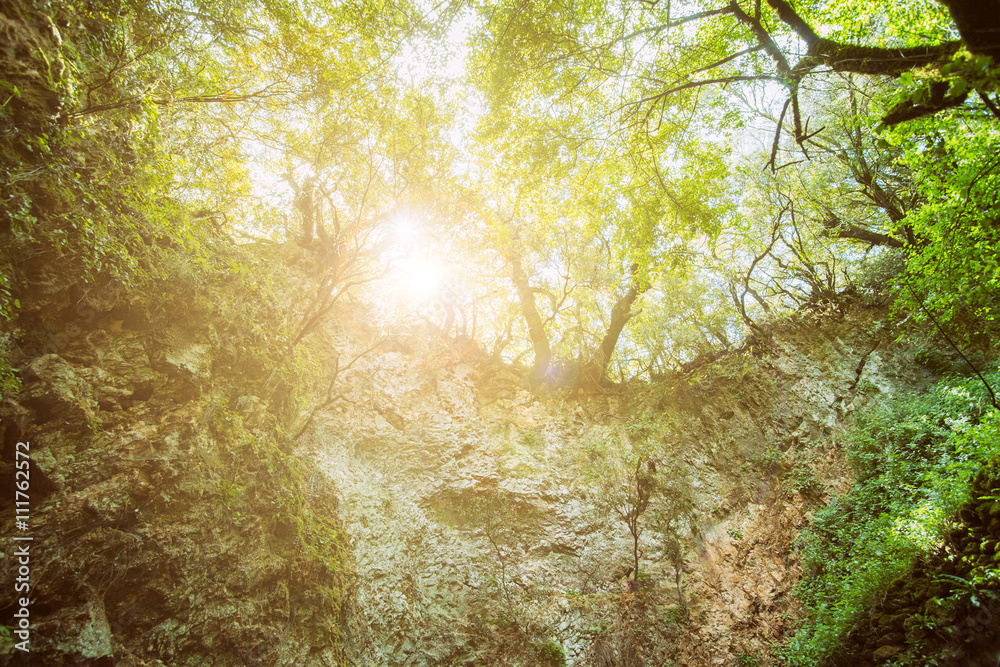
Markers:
point(217, 98)
point(836, 228)
point(667, 25)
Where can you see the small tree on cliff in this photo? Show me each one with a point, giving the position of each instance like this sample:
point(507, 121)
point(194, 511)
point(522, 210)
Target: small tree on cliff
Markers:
point(505, 528)
point(629, 481)
point(671, 514)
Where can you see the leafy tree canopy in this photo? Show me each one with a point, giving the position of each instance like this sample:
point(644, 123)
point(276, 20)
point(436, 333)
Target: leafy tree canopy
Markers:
point(595, 191)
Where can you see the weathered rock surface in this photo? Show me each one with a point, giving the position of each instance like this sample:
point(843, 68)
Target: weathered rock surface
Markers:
point(156, 537)
point(164, 532)
point(755, 432)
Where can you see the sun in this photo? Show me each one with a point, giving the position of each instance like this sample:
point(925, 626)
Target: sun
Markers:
point(418, 274)
point(422, 280)
point(407, 233)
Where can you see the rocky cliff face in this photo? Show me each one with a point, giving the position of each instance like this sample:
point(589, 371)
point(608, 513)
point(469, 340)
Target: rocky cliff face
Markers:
point(479, 537)
point(172, 523)
point(167, 526)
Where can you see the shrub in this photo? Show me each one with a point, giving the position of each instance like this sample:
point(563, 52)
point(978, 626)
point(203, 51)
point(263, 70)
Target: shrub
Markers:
point(551, 652)
point(914, 457)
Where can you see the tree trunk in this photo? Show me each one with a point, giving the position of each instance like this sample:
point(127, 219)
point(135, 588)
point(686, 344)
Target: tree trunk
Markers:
point(536, 329)
point(594, 370)
point(633, 527)
point(680, 591)
point(978, 22)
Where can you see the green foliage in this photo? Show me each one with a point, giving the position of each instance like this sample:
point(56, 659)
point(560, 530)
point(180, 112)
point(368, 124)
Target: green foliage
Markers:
point(55, 217)
point(674, 615)
point(551, 652)
point(875, 277)
point(914, 457)
point(867, 387)
point(92, 201)
point(733, 368)
point(602, 102)
point(9, 380)
point(596, 212)
point(133, 138)
point(767, 460)
point(802, 479)
point(614, 193)
point(532, 438)
point(231, 491)
point(953, 273)
point(963, 74)
point(7, 640)
point(884, 22)
point(267, 484)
